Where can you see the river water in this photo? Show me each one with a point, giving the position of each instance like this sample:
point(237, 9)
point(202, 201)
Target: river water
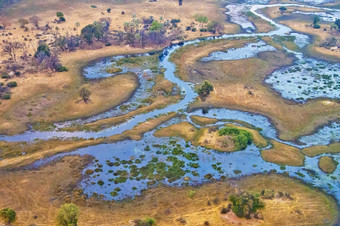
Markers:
point(120, 169)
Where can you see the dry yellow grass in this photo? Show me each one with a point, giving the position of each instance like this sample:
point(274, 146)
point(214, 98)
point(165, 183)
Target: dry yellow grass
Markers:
point(162, 85)
point(322, 149)
point(57, 182)
point(319, 35)
point(43, 96)
point(203, 121)
point(283, 154)
point(327, 164)
point(52, 98)
point(183, 130)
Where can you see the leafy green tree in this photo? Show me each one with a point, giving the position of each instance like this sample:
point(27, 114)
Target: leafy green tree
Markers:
point(42, 51)
point(85, 94)
point(156, 26)
point(8, 215)
point(337, 22)
point(316, 22)
point(87, 33)
point(61, 17)
point(282, 9)
point(245, 204)
point(205, 89)
point(60, 14)
point(68, 215)
point(201, 19)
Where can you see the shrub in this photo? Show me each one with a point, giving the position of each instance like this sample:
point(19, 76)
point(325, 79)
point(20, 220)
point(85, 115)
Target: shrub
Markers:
point(205, 88)
point(156, 26)
point(148, 221)
point(61, 68)
point(245, 204)
point(93, 6)
point(42, 51)
point(203, 30)
point(84, 94)
point(194, 29)
point(62, 19)
point(7, 96)
point(109, 10)
point(68, 215)
point(12, 84)
point(5, 75)
point(241, 137)
point(60, 14)
point(192, 193)
point(8, 215)
point(316, 26)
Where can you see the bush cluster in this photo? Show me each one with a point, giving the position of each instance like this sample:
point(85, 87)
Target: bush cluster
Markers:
point(241, 137)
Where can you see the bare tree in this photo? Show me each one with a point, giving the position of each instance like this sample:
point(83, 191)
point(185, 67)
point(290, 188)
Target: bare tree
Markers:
point(4, 22)
point(12, 49)
point(23, 22)
point(35, 21)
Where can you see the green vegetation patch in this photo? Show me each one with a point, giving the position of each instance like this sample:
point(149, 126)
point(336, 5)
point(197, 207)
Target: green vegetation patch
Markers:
point(240, 137)
point(246, 204)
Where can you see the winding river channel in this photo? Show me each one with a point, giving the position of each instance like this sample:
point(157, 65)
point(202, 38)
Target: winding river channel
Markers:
point(113, 161)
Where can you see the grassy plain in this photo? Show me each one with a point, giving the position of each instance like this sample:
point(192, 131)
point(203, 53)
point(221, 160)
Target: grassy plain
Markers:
point(238, 84)
point(303, 24)
point(327, 164)
point(321, 149)
point(283, 154)
point(43, 97)
point(202, 121)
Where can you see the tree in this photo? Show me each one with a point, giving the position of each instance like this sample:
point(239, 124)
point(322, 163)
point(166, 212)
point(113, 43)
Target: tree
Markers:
point(12, 48)
point(214, 27)
point(245, 204)
point(60, 14)
point(8, 215)
point(4, 23)
point(77, 25)
point(205, 89)
point(42, 51)
point(315, 22)
point(201, 19)
point(68, 215)
point(35, 21)
point(156, 26)
point(84, 94)
point(61, 17)
point(337, 22)
point(23, 22)
point(282, 9)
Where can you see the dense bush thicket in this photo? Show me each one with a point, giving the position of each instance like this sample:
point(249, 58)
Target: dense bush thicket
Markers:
point(241, 137)
point(246, 204)
point(68, 215)
point(205, 89)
